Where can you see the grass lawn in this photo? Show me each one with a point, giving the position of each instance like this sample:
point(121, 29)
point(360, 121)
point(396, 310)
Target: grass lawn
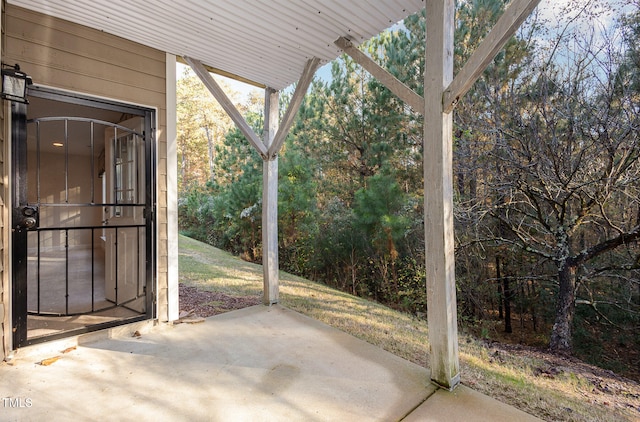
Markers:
point(545, 385)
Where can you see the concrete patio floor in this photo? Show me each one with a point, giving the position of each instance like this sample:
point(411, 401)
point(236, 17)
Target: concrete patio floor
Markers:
point(255, 364)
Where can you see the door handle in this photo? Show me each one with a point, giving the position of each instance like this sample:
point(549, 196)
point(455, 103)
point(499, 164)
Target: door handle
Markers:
point(29, 218)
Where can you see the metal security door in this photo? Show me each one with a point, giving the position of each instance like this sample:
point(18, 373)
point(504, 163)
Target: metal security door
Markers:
point(21, 221)
point(123, 222)
point(82, 226)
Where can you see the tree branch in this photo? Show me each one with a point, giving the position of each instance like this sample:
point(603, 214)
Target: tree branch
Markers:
point(607, 245)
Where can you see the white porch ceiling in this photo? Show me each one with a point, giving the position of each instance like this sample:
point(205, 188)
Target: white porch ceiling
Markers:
point(264, 41)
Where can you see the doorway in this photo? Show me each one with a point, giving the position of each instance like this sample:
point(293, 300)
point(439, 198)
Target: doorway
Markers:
point(82, 221)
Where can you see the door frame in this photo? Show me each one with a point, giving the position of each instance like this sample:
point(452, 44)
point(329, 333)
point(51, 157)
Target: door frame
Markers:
point(18, 187)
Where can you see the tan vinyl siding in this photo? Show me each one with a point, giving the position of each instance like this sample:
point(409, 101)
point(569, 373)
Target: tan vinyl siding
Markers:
point(68, 56)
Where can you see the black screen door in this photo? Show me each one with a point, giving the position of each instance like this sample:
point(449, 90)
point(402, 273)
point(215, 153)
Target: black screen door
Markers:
point(82, 222)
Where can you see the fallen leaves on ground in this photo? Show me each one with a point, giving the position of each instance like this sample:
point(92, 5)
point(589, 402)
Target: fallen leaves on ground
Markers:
point(49, 361)
point(196, 303)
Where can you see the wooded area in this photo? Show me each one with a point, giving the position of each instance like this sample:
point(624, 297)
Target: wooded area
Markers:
point(547, 192)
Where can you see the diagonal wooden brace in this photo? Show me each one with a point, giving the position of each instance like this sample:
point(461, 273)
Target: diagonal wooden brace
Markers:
point(394, 85)
point(507, 25)
point(296, 101)
point(227, 105)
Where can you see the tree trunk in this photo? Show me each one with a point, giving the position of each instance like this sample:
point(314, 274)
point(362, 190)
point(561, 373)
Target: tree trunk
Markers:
point(211, 149)
point(500, 296)
point(507, 306)
point(183, 169)
point(521, 308)
point(500, 289)
point(506, 298)
point(532, 302)
point(565, 309)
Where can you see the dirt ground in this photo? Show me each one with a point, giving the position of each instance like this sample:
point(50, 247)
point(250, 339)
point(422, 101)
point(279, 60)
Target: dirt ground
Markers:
point(203, 304)
point(600, 386)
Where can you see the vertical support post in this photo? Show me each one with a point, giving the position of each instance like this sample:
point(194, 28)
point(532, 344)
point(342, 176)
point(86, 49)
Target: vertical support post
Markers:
point(270, 202)
point(173, 291)
point(438, 196)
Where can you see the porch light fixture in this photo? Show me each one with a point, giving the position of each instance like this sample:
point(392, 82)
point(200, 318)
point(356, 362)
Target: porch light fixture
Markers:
point(14, 83)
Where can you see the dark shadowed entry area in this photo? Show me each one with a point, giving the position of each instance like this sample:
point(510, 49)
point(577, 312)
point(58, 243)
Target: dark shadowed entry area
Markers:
point(82, 215)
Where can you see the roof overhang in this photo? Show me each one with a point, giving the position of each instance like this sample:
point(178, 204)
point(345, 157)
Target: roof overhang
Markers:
point(266, 42)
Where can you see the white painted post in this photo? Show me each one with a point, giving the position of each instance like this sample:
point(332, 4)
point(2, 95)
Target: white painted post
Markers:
point(270, 202)
point(438, 196)
point(268, 148)
point(173, 307)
